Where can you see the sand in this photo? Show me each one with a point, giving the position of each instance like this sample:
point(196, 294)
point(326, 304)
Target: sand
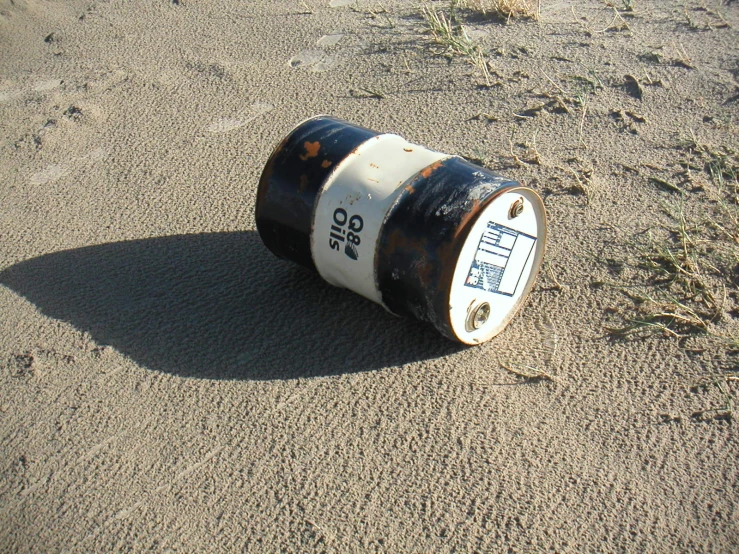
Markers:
point(167, 384)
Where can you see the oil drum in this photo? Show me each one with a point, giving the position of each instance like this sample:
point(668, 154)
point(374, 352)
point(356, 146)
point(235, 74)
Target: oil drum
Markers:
point(425, 234)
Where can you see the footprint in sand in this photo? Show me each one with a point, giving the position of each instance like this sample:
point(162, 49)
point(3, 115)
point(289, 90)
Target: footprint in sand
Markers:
point(54, 172)
point(226, 124)
point(330, 40)
point(316, 59)
point(49, 174)
point(306, 58)
point(49, 84)
point(8, 95)
point(476, 34)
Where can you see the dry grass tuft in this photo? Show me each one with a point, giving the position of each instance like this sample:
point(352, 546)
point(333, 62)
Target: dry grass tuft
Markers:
point(691, 263)
point(506, 9)
point(450, 33)
point(728, 408)
point(528, 372)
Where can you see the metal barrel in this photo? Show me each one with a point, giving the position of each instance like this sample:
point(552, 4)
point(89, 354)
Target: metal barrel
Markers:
point(422, 233)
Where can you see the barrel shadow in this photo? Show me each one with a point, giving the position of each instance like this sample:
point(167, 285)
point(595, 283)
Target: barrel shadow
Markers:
point(218, 306)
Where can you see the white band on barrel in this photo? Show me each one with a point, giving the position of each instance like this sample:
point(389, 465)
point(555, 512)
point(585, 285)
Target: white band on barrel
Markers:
point(351, 208)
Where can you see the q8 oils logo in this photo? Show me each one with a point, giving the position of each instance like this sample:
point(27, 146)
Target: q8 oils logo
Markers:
point(345, 230)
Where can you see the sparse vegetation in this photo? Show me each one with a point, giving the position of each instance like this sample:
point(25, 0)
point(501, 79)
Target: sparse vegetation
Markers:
point(690, 264)
point(447, 31)
point(624, 6)
point(505, 9)
point(727, 409)
point(527, 372)
point(582, 175)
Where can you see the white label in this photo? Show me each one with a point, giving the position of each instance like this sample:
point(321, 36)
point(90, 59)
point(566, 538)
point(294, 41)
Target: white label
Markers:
point(500, 259)
point(352, 205)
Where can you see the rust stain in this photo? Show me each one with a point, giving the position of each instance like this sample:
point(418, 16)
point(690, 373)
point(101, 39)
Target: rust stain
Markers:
point(408, 149)
point(423, 268)
point(375, 166)
point(303, 183)
point(426, 173)
point(398, 241)
point(325, 164)
point(311, 150)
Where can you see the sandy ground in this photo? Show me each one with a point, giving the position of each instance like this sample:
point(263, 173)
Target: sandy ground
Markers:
point(167, 384)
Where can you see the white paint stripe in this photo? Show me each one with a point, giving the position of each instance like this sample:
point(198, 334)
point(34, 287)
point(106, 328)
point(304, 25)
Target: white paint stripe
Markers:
point(352, 206)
